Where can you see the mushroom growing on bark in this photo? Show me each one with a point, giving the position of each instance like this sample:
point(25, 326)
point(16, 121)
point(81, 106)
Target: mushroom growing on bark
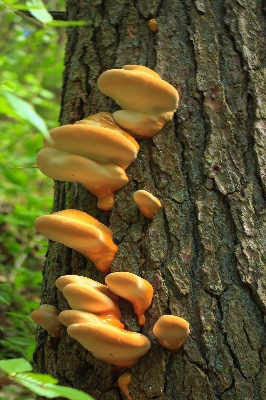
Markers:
point(147, 101)
point(69, 317)
point(108, 343)
point(96, 139)
point(47, 317)
point(85, 298)
point(124, 381)
point(147, 203)
point(101, 179)
point(94, 152)
point(81, 232)
point(64, 280)
point(171, 331)
point(132, 288)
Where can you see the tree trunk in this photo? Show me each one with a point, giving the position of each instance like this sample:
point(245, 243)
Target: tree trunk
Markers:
point(205, 249)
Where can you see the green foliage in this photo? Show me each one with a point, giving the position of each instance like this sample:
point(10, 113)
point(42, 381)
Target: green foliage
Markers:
point(18, 370)
point(31, 63)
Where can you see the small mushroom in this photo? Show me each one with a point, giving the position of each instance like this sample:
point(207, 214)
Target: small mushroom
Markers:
point(47, 317)
point(81, 232)
point(132, 288)
point(102, 144)
point(116, 346)
point(147, 203)
point(147, 101)
point(64, 280)
point(106, 120)
point(124, 381)
point(69, 317)
point(100, 179)
point(85, 298)
point(171, 331)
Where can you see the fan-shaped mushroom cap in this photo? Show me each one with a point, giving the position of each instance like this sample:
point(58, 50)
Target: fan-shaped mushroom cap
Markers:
point(132, 288)
point(69, 317)
point(47, 317)
point(147, 203)
point(171, 331)
point(102, 180)
point(108, 343)
point(97, 143)
point(139, 89)
point(64, 280)
point(81, 232)
point(106, 120)
point(85, 298)
point(141, 124)
point(135, 88)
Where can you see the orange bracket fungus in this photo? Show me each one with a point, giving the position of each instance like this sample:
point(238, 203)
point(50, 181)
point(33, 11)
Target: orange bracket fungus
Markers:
point(114, 345)
point(69, 317)
point(132, 288)
point(171, 331)
point(100, 143)
point(85, 298)
point(147, 203)
point(100, 179)
point(81, 232)
point(64, 280)
point(147, 101)
point(47, 317)
point(94, 151)
point(124, 381)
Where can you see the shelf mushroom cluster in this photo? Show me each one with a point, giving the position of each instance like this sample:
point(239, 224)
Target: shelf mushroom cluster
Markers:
point(96, 152)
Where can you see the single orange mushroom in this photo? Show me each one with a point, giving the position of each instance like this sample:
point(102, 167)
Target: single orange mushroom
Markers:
point(171, 331)
point(64, 280)
point(85, 298)
point(106, 120)
point(124, 381)
point(147, 101)
point(132, 288)
point(147, 203)
point(47, 317)
point(69, 317)
point(101, 179)
point(81, 232)
point(99, 142)
point(116, 346)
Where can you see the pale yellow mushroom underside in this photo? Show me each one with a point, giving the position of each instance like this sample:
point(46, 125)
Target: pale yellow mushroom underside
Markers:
point(147, 203)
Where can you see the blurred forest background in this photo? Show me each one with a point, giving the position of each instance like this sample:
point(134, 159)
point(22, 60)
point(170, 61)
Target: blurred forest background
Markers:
point(31, 67)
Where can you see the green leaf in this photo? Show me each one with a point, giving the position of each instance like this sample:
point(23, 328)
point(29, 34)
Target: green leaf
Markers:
point(15, 365)
point(26, 112)
point(70, 393)
point(4, 298)
point(38, 10)
point(38, 378)
point(37, 383)
point(20, 341)
point(69, 23)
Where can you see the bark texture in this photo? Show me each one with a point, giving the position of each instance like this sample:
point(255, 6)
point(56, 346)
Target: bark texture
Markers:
point(205, 249)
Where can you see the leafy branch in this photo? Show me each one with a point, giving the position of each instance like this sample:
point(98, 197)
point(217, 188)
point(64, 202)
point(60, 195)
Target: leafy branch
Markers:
point(19, 370)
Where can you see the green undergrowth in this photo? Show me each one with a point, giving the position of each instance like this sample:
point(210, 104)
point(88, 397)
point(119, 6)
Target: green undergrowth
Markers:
point(19, 371)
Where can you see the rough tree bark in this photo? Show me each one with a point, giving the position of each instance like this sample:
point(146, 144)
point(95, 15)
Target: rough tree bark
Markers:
point(205, 249)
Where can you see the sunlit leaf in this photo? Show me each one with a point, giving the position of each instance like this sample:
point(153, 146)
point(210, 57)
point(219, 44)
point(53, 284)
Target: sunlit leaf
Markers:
point(16, 365)
point(38, 384)
point(37, 9)
point(26, 112)
point(69, 23)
